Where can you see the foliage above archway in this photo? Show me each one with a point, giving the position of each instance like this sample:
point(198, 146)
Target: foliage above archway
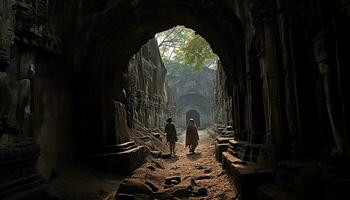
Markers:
point(182, 47)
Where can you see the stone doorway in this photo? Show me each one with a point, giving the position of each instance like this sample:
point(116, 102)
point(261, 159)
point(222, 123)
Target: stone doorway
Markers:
point(194, 114)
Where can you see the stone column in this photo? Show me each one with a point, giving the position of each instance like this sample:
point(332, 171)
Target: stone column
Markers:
point(331, 93)
point(6, 33)
point(293, 125)
point(264, 12)
point(256, 122)
point(6, 38)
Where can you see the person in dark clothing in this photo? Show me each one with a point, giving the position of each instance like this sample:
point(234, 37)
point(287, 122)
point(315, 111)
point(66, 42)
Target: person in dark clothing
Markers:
point(171, 135)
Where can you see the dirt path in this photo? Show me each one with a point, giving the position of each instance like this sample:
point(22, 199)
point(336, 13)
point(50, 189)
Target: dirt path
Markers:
point(201, 165)
point(83, 183)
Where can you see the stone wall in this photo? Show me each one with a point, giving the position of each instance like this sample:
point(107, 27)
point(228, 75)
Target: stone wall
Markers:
point(288, 101)
point(289, 78)
point(150, 98)
point(64, 63)
point(193, 90)
point(34, 78)
point(222, 105)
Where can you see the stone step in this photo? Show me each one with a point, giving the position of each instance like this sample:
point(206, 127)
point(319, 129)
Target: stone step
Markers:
point(234, 153)
point(273, 192)
point(222, 140)
point(8, 185)
point(146, 138)
point(22, 188)
point(233, 142)
point(247, 176)
point(219, 149)
point(115, 148)
point(123, 162)
point(157, 135)
point(227, 133)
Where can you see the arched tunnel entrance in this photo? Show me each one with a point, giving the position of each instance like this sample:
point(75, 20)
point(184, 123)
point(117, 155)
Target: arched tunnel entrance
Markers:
point(194, 114)
point(281, 103)
point(121, 37)
point(119, 32)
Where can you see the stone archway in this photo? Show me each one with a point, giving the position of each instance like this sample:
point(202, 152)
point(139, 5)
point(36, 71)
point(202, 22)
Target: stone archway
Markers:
point(115, 34)
point(194, 114)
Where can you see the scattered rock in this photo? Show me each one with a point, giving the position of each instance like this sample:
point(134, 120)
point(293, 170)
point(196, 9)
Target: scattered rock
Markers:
point(195, 194)
point(190, 188)
point(132, 186)
point(203, 177)
point(150, 166)
point(146, 138)
point(156, 154)
point(200, 167)
point(174, 182)
point(168, 186)
point(182, 191)
point(166, 155)
point(178, 191)
point(158, 164)
point(207, 171)
point(193, 182)
point(161, 195)
point(202, 192)
point(157, 135)
point(170, 180)
point(221, 173)
point(149, 144)
point(122, 196)
point(228, 195)
point(175, 168)
point(152, 185)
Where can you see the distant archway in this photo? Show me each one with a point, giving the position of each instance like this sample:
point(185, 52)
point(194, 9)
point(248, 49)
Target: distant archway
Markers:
point(194, 114)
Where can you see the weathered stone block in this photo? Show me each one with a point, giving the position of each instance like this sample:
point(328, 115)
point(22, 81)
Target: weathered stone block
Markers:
point(121, 127)
point(133, 186)
point(246, 176)
point(18, 176)
point(122, 196)
point(169, 180)
point(121, 162)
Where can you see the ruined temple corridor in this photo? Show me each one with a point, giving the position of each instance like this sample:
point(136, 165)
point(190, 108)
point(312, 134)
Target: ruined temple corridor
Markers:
point(84, 86)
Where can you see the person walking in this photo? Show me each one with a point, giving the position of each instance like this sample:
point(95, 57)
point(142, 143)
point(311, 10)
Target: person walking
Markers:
point(192, 136)
point(171, 135)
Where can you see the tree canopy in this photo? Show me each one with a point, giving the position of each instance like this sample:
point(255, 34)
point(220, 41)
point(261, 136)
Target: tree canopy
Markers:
point(180, 46)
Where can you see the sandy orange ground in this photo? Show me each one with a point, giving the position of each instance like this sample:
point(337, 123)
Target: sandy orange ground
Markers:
point(194, 165)
point(84, 183)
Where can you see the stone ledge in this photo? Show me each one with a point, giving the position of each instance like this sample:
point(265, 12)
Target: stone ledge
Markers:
point(273, 192)
point(247, 176)
point(31, 185)
point(18, 176)
point(123, 162)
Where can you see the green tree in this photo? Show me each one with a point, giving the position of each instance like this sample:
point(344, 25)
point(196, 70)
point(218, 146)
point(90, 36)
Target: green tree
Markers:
point(183, 46)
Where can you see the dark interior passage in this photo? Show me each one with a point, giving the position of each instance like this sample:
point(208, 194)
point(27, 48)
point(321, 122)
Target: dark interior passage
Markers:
point(194, 114)
point(280, 107)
